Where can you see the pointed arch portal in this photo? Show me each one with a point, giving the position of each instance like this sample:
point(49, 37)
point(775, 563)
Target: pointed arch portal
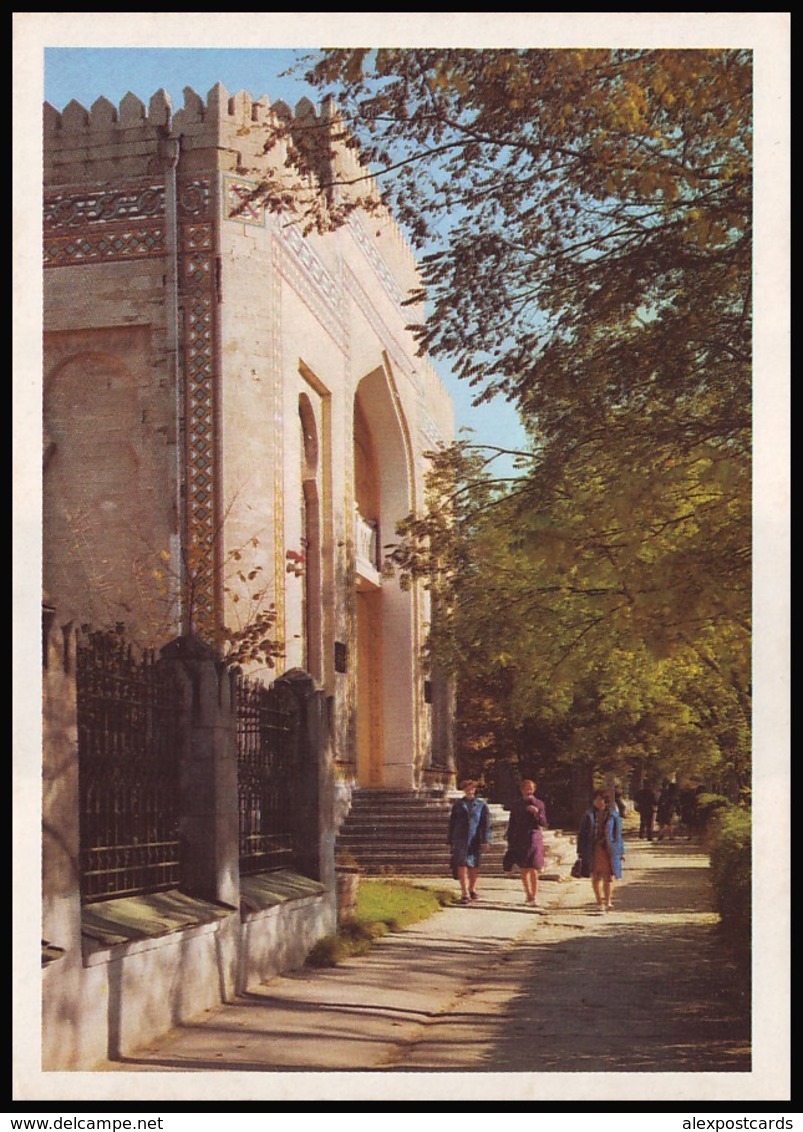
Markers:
point(386, 704)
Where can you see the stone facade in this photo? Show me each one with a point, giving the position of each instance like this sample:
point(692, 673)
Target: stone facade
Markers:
point(221, 391)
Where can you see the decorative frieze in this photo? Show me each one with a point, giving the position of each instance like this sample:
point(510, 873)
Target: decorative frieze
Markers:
point(127, 203)
point(371, 253)
point(311, 264)
point(103, 226)
point(301, 268)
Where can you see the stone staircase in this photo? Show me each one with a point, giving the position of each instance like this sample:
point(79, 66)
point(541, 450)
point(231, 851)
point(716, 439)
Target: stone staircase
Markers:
point(404, 833)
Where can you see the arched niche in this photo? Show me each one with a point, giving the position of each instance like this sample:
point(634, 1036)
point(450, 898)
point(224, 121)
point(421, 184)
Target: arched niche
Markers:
point(311, 535)
point(386, 647)
point(107, 524)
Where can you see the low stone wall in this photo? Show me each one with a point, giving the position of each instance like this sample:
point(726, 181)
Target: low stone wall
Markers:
point(118, 973)
point(110, 1001)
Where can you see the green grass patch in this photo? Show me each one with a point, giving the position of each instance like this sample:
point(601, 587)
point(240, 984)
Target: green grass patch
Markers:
point(382, 906)
point(397, 904)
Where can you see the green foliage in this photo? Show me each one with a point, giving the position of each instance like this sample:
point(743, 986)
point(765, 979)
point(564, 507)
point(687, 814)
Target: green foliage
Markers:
point(352, 938)
point(597, 630)
point(709, 806)
point(730, 848)
point(586, 217)
point(590, 214)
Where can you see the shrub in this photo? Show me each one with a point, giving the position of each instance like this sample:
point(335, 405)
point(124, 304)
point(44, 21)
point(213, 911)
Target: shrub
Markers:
point(708, 806)
point(327, 952)
point(352, 938)
point(730, 852)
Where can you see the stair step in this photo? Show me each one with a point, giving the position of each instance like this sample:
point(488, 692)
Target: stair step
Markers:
point(401, 832)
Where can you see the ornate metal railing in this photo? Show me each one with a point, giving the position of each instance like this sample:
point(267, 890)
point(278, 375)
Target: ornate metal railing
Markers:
point(269, 774)
point(127, 770)
point(366, 542)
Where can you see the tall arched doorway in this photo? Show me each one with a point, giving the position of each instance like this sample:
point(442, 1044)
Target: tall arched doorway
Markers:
point(386, 703)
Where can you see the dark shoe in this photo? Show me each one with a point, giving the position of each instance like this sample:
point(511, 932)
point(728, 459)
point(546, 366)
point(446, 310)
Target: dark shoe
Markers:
point(473, 896)
point(464, 900)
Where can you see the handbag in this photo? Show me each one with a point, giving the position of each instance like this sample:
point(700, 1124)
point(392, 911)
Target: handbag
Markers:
point(577, 868)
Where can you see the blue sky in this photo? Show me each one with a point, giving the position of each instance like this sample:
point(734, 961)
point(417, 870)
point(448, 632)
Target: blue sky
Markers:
point(86, 74)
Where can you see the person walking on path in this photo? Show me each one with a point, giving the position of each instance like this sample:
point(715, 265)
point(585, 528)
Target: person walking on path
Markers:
point(510, 980)
point(668, 805)
point(525, 841)
point(469, 834)
point(646, 802)
point(601, 848)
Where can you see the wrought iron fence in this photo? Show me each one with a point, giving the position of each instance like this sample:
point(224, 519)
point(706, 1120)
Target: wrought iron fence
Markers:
point(127, 770)
point(269, 757)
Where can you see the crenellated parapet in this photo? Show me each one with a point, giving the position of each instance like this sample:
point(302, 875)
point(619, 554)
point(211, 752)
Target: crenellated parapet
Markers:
point(108, 142)
point(231, 133)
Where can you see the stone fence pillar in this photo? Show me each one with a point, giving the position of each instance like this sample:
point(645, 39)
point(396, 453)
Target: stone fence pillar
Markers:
point(314, 818)
point(61, 878)
point(210, 866)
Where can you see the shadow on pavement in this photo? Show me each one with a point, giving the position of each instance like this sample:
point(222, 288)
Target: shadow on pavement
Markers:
point(629, 998)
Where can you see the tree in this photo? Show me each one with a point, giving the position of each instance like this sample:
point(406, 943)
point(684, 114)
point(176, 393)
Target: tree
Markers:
point(577, 623)
point(590, 213)
point(585, 218)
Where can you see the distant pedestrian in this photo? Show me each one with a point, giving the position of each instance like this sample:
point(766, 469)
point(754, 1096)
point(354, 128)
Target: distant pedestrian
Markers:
point(667, 810)
point(601, 848)
point(646, 802)
point(469, 834)
point(525, 841)
point(689, 816)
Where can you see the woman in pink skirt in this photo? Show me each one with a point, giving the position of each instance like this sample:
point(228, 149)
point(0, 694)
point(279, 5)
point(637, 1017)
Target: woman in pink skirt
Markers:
point(524, 839)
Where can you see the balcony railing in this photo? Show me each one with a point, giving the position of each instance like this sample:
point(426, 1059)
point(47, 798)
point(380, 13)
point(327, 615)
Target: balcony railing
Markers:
point(366, 538)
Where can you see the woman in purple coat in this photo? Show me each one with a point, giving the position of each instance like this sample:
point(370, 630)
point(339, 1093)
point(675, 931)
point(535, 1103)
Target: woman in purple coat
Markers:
point(525, 842)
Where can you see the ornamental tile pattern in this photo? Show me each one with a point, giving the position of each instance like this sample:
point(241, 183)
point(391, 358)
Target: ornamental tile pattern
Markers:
point(242, 203)
point(197, 298)
point(299, 249)
point(104, 226)
point(292, 260)
point(371, 253)
point(129, 204)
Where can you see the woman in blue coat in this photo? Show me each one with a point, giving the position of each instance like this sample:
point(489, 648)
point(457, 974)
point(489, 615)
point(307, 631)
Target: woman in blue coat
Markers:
point(601, 848)
point(469, 834)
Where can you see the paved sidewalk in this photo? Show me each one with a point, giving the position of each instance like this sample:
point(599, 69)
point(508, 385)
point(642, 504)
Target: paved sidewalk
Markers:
point(497, 987)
